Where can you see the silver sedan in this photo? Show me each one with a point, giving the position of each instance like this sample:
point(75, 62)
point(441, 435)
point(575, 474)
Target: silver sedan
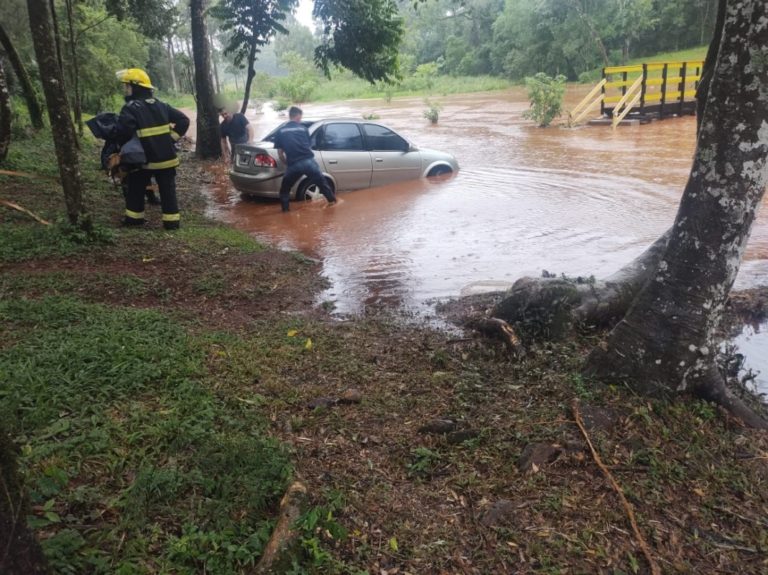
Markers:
point(352, 154)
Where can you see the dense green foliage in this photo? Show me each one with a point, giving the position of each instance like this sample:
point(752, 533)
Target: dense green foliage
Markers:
point(546, 96)
point(518, 38)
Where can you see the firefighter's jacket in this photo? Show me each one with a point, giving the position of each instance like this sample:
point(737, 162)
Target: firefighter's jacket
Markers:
point(157, 125)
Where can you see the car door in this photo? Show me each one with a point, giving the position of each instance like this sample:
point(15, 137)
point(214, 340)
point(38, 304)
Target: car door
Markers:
point(391, 154)
point(343, 155)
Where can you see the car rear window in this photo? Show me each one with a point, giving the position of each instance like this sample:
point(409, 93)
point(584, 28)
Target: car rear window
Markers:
point(342, 137)
point(271, 136)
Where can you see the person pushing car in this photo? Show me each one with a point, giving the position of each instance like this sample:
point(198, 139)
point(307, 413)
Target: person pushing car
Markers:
point(294, 149)
point(157, 126)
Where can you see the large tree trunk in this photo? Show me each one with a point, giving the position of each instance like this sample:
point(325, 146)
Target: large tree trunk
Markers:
point(20, 553)
point(58, 111)
point(667, 341)
point(249, 78)
point(208, 142)
point(5, 115)
point(56, 34)
point(30, 94)
point(215, 67)
point(75, 68)
point(172, 60)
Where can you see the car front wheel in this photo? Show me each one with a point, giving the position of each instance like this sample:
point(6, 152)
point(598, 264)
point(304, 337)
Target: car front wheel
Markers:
point(439, 171)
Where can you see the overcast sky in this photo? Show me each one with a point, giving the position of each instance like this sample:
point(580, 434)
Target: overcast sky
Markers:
point(304, 13)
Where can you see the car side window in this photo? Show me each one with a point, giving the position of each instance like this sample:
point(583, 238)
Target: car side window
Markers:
point(383, 139)
point(342, 137)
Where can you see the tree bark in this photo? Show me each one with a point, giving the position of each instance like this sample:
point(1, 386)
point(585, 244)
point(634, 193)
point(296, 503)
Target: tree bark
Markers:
point(172, 60)
point(20, 553)
point(5, 115)
point(75, 68)
point(208, 142)
point(58, 112)
point(56, 35)
point(215, 67)
point(667, 341)
point(30, 94)
point(249, 78)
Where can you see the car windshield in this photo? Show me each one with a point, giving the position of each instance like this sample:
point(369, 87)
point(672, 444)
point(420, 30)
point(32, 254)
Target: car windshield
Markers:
point(271, 136)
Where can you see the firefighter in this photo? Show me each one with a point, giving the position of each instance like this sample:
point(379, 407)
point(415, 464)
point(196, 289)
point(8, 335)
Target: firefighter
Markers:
point(158, 126)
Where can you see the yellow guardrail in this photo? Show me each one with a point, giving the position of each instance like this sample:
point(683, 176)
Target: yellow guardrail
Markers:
point(663, 85)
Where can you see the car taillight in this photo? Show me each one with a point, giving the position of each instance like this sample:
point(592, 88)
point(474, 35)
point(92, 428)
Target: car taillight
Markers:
point(264, 161)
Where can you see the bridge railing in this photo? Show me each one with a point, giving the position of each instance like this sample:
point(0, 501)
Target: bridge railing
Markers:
point(665, 88)
point(657, 88)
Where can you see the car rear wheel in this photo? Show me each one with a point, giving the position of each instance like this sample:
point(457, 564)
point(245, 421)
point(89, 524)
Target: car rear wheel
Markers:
point(439, 171)
point(307, 191)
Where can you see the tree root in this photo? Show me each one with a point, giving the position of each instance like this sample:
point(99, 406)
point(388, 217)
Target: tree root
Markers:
point(551, 306)
point(712, 388)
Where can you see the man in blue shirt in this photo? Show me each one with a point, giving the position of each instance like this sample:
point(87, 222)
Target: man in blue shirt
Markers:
point(235, 129)
point(293, 147)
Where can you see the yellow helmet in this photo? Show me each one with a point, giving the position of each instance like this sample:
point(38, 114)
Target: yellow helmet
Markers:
point(134, 76)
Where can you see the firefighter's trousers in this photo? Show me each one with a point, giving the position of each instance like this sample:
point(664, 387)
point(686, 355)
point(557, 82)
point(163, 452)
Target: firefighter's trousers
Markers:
point(134, 197)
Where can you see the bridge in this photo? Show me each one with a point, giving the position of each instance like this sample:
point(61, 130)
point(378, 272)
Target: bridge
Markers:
point(640, 93)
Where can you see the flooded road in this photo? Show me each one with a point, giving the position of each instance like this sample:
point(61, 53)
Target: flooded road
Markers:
point(579, 202)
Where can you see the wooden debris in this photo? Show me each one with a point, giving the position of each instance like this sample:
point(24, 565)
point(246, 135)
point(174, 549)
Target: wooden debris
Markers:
point(24, 210)
point(655, 570)
point(499, 328)
point(284, 536)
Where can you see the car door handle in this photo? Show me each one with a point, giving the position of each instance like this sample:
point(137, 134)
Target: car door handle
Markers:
point(379, 159)
point(333, 161)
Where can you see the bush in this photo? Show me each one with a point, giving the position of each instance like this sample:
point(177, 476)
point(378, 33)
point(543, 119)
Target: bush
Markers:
point(546, 96)
point(432, 113)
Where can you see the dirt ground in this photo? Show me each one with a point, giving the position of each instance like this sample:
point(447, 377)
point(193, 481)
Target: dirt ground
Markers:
point(447, 455)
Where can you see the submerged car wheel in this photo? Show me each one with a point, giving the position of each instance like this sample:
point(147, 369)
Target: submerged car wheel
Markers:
point(307, 191)
point(439, 171)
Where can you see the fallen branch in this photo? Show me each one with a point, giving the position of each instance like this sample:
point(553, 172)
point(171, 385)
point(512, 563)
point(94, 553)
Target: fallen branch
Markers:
point(24, 210)
point(655, 570)
point(283, 535)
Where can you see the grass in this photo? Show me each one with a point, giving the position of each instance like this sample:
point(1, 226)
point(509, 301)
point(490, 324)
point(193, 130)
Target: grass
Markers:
point(353, 88)
point(117, 422)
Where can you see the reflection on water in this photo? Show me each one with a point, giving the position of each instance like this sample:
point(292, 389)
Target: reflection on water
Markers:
point(580, 201)
point(753, 344)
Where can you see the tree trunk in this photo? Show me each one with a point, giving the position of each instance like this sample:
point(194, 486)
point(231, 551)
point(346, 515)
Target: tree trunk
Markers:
point(208, 142)
point(56, 35)
point(5, 115)
point(30, 94)
point(667, 341)
point(215, 67)
point(75, 68)
point(249, 77)
point(172, 60)
point(64, 137)
point(20, 553)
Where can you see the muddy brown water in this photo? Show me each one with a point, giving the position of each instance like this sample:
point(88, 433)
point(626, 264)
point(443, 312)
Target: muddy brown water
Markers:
point(579, 202)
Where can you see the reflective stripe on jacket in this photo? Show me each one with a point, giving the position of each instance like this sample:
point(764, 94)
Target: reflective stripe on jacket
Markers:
point(158, 126)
